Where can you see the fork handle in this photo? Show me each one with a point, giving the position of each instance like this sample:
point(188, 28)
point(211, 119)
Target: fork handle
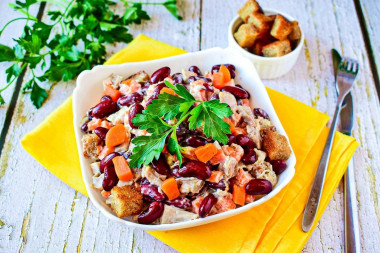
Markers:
point(316, 189)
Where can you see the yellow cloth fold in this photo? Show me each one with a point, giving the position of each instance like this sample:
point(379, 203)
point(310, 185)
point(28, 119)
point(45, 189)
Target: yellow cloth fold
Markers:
point(274, 226)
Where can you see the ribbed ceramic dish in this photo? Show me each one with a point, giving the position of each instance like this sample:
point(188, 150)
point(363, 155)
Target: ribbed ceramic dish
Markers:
point(89, 91)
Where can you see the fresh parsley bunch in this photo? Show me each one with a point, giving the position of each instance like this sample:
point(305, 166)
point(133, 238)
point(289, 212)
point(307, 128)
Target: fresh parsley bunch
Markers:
point(209, 114)
point(72, 40)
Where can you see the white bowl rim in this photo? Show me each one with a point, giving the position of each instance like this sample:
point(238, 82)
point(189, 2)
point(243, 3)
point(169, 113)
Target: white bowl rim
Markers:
point(259, 57)
point(200, 221)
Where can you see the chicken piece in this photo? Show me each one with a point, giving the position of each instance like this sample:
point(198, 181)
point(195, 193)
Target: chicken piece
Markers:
point(95, 167)
point(124, 146)
point(260, 156)
point(246, 113)
point(152, 175)
point(228, 98)
point(235, 150)
point(229, 167)
point(90, 143)
point(276, 145)
point(190, 185)
point(189, 153)
point(253, 132)
point(174, 214)
point(265, 124)
point(123, 183)
point(119, 116)
point(129, 87)
point(126, 201)
point(97, 182)
point(186, 74)
point(219, 157)
point(225, 201)
point(140, 77)
point(243, 177)
point(113, 81)
point(265, 171)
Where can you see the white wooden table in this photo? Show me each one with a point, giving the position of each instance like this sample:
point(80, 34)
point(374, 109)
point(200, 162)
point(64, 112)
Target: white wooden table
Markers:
point(39, 213)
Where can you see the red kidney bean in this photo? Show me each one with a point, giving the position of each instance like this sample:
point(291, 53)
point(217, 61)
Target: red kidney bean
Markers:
point(131, 99)
point(110, 178)
point(231, 139)
point(144, 181)
point(160, 74)
point(179, 202)
point(238, 92)
point(175, 171)
point(245, 141)
point(195, 70)
point(195, 141)
point(258, 187)
point(196, 169)
point(278, 166)
point(84, 127)
point(249, 157)
point(152, 192)
point(221, 185)
point(154, 212)
point(260, 112)
point(208, 87)
point(89, 113)
point(101, 132)
point(104, 108)
point(177, 78)
point(133, 111)
point(106, 97)
point(161, 166)
point(206, 205)
point(107, 160)
point(214, 96)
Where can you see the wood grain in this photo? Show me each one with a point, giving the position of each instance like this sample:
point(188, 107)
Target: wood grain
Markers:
point(40, 213)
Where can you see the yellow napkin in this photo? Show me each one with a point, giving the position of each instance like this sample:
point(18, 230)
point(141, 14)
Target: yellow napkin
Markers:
point(274, 226)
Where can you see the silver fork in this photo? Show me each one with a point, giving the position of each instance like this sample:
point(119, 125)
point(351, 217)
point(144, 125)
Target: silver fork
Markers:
point(347, 71)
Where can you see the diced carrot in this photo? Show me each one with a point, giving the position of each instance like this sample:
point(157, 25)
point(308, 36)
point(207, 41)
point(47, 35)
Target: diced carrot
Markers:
point(168, 90)
point(238, 195)
point(219, 157)
point(215, 177)
point(196, 204)
point(245, 101)
point(116, 136)
point(232, 126)
point(226, 73)
point(249, 198)
point(170, 188)
point(206, 152)
point(106, 194)
point(224, 204)
point(123, 172)
point(113, 93)
point(94, 123)
point(218, 80)
point(165, 150)
point(106, 151)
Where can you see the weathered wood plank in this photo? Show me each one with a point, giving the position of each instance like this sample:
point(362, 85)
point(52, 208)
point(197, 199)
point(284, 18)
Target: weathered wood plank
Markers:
point(50, 216)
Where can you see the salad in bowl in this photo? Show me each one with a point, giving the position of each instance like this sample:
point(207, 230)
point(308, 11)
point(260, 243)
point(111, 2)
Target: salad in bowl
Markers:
point(176, 147)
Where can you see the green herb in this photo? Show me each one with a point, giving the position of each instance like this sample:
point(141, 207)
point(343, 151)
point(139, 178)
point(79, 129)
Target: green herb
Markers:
point(209, 114)
point(81, 28)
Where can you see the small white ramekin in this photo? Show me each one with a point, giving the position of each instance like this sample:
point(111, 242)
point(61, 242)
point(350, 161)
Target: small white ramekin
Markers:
point(266, 67)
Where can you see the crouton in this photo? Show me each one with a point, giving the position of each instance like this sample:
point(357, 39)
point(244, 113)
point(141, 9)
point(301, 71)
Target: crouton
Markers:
point(276, 145)
point(248, 8)
point(260, 21)
point(257, 49)
point(281, 27)
point(246, 35)
point(126, 201)
point(90, 143)
point(295, 35)
point(277, 48)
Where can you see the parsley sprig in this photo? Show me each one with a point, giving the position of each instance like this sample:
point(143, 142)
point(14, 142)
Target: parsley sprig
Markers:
point(72, 40)
point(167, 107)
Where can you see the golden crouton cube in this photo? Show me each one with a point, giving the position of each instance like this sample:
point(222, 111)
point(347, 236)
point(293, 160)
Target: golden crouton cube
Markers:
point(260, 21)
point(276, 145)
point(277, 48)
point(246, 35)
point(295, 35)
point(257, 49)
point(126, 201)
point(90, 144)
point(248, 8)
point(281, 27)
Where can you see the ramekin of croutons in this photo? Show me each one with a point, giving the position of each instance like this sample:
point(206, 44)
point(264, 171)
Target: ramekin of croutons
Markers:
point(271, 39)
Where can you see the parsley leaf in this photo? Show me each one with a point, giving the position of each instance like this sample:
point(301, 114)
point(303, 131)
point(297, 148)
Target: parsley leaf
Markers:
point(151, 123)
point(147, 148)
point(6, 53)
point(38, 95)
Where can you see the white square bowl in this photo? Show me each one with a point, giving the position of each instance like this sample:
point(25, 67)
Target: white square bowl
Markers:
point(89, 91)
